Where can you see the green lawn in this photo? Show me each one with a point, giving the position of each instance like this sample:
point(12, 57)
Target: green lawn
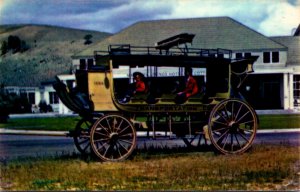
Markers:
point(69, 123)
point(279, 121)
point(45, 123)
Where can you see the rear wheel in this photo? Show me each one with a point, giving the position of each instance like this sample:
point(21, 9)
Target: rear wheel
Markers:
point(113, 138)
point(232, 126)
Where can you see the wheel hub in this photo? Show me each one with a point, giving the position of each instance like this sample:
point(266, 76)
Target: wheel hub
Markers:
point(113, 137)
point(233, 126)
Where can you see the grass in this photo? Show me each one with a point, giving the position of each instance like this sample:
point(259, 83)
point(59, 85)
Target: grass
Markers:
point(279, 121)
point(263, 168)
point(69, 123)
point(44, 123)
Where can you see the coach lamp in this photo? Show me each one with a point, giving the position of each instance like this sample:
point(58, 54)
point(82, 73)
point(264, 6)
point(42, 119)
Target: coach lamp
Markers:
point(250, 68)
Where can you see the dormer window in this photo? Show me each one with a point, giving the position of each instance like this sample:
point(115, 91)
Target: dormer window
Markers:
point(271, 56)
point(275, 57)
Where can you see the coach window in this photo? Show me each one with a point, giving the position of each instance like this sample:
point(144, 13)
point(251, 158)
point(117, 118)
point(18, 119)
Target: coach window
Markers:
point(82, 64)
point(90, 63)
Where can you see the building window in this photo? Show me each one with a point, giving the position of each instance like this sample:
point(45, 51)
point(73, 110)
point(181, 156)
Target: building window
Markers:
point(266, 57)
point(275, 57)
point(271, 56)
point(238, 55)
point(53, 98)
point(297, 90)
point(31, 98)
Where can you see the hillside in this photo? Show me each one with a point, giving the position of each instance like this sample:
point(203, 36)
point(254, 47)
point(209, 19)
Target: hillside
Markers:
point(49, 53)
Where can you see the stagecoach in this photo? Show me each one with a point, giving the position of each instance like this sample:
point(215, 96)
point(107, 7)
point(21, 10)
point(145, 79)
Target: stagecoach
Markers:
point(109, 128)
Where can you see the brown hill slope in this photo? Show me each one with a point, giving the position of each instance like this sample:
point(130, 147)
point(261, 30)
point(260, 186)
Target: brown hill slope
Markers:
point(49, 54)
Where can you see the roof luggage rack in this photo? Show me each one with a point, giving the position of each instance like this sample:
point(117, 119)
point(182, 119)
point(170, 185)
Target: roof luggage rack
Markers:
point(176, 40)
point(119, 49)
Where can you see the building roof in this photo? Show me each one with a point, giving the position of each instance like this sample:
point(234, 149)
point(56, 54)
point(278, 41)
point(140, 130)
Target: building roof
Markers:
point(211, 33)
point(293, 44)
point(297, 32)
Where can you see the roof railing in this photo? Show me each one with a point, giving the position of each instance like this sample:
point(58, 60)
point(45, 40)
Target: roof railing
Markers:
point(127, 49)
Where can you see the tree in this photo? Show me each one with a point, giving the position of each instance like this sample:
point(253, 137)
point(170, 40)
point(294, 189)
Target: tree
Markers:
point(88, 38)
point(4, 47)
point(5, 104)
point(14, 43)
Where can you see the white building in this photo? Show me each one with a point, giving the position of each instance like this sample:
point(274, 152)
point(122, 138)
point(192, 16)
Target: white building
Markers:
point(275, 84)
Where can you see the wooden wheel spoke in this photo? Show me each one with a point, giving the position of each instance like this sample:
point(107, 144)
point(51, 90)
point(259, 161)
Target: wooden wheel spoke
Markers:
point(221, 115)
point(88, 124)
point(104, 128)
point(122, 146)
point(102, 139)
point(224, 145)
point(247, 130)
point(109, 148)
point(101, 146)
point(242, 117)
point(84, 141)
point(124, 129)
point(246, 122)
point(232, 111)
point(85, 148)
point(100, 133)
point(120, 125)
point(226, 111)
point(126, 141)
point(246, 139)
point(108, 124)
point(84, 136)
point(231, 141)
point(219, 122)
point(220, 129)
point(237, 141)
point(125, 135)
point(222, 136)
point(238, 113)
point(120, 154)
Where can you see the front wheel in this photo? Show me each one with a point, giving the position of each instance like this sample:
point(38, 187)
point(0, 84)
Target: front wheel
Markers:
point(113, 138)
point(232, 126)
point(81, 135)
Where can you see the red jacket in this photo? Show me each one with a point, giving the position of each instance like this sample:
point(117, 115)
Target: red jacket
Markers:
point(140, 86)
point(191, 87)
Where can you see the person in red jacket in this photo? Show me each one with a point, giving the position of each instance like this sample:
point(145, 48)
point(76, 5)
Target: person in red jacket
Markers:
point(135, 88)
point(191, 87)
point(140, 86)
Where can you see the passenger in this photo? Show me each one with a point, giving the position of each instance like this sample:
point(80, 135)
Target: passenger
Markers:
point(135, 88)
point(190, 89)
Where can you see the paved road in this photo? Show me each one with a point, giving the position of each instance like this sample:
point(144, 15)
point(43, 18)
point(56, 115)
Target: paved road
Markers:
point(24, 146)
